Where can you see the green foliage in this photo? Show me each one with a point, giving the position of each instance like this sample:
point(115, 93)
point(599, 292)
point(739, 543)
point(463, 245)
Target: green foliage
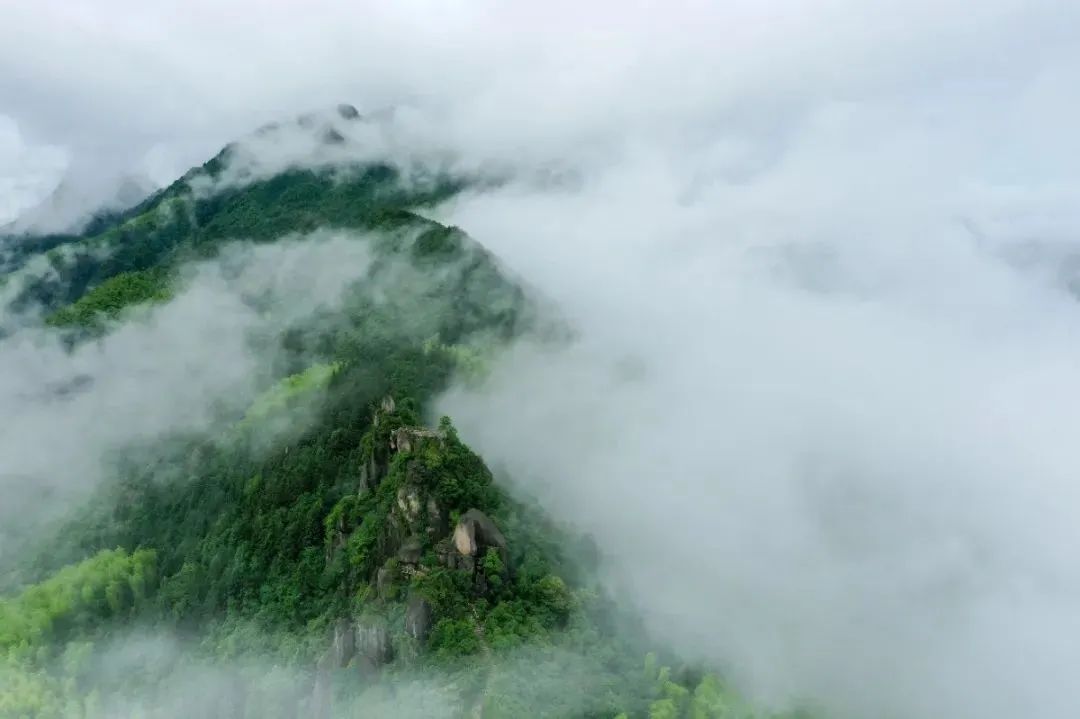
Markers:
point(447, 590)
point(677, 694)
point(511, 623)
point(289, 390)
point(451, 638)
point(553, 599)
point(260, 546)
point(182, 223)
point(493, 568)
point(112, 296)
point(25, 692)
point(463, 480)
point(105, 586)
point(708, 701)
point(664, 709)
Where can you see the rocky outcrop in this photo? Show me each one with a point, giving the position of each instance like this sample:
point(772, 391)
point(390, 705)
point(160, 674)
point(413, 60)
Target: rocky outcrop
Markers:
point(373, 468)
point(416, 513)
point(406, 439)
point(365, 643)
point(475, 533)
point(409, 504)
point(340, 652)
point(474, 536)
point(373, 646)
point(369, 475)
point(413, 520)
point(418, 617)
point(386, 406)
point(343, 646)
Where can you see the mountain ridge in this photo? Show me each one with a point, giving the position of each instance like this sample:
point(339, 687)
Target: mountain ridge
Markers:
point(336, 529)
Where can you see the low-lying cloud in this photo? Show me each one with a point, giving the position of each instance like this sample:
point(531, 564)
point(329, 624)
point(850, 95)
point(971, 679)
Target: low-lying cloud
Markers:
point(160, 675)
point(29, 172)
point(818, 413)
point(818, 256)
point(181, 367)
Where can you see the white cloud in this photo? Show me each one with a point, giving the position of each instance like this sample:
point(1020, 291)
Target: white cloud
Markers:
point(822, 430)
point(28, 173)
point(819, 414)
point(118, 76)
point(821, 409)
point(190, 365)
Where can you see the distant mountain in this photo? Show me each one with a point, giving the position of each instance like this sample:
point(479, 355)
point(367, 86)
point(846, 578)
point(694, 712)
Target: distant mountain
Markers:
point(77, 201)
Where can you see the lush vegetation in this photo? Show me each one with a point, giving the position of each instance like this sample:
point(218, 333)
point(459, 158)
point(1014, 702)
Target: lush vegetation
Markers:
point(361, 554)
point(108, 299)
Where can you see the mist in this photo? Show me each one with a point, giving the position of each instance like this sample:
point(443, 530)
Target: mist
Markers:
point(32, 171)
point(818, 415)
point(176, 679)
point(819, 258)
point(190, 366)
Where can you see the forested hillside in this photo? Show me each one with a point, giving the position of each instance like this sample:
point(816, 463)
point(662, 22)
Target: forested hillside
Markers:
point(332, 548)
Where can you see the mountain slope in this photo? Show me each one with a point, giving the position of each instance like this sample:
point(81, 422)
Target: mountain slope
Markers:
point(332, 548)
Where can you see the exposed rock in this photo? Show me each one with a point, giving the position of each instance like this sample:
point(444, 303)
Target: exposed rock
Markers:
point(373, 646)
point(370, 476)
point(386, 406)
point(365, 480)
point(411, 550)
point(341, 650)
point(465, 540)
point(343, 646)
point(475, 533)
point(408, 503)
point(418, 617)
point(406, 439)
point(366, 642)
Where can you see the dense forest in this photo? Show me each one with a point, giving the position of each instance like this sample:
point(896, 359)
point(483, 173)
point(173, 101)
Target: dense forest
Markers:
point(333, 549)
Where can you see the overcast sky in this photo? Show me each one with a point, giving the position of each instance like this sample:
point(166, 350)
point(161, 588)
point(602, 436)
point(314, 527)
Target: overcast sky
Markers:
point(157, 86)
point(819, 241)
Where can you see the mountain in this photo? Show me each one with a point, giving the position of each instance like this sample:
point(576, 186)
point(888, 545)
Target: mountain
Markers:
point(325, 544)
point(78, 202)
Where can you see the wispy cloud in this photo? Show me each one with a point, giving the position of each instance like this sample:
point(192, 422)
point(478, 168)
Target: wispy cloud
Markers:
point(820, 406)
point(185, 366)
